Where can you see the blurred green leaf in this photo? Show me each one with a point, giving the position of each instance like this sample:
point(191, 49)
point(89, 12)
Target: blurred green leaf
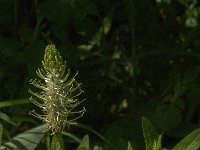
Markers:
point(190, 142)
point(167, 117)
point(152, 139)
point(7, 119)
point(84, 143)
point(96, 147)
point(1, 133)
point(129, 146)
point(27, 140)
point(107, 22)
point(14, 102)
point(127, 128)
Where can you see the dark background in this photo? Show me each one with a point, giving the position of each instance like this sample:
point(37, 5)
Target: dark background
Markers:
point(134, 57)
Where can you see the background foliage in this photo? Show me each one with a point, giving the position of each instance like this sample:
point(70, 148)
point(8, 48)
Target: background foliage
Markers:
point(135, 58)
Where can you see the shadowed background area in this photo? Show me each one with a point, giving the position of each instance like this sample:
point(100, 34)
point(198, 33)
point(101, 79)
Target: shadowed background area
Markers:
point(134, 57)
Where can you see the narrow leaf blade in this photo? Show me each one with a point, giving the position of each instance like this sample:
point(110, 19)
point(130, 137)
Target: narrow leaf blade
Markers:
point(129, 146)
point(149, 132)
point(190, 142)
point(7, 119)
point(84, 143)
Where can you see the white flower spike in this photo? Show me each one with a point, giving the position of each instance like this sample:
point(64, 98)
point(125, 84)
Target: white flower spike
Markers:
point(58, 96)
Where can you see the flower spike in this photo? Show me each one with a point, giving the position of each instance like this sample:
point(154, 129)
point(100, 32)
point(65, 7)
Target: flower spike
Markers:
point(58, 96)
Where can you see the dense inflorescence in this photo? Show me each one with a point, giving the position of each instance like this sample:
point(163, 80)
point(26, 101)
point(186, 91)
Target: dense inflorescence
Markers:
point(58, 96)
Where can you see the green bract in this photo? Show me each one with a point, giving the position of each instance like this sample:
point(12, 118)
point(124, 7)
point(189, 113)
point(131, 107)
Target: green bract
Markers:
point(58, 96)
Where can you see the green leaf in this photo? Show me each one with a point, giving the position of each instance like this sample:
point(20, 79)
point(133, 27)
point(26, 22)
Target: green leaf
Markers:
point(118, 137)
point(107, 22)
point(190, 142)
point(167, 117)
point(129, 146)
point(159, 142)
point(27, 140)
point(7, 119)
point(1, 132)
point(150, 134)
point(84, 143)
point(96, 147)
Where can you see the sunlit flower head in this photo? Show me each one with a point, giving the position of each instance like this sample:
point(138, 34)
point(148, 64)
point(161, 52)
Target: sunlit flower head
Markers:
point(58, 96)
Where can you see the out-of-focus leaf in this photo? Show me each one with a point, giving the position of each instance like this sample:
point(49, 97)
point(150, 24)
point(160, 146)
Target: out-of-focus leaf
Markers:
point(190, 142)
point(14, 102)
point(96, 147)
point(27, 140)
point(84, 143)
point(129, 146)
point(107, 22)
point(167, 117)
point(123, 130)
point(6, 118)
point(1, 132)
point(152, 139)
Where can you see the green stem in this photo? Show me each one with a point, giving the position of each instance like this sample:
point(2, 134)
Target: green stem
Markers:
point(61, 142)
point(57, 142)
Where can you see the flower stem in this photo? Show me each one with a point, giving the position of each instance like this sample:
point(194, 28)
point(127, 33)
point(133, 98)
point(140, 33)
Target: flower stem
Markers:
point(57, 142)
